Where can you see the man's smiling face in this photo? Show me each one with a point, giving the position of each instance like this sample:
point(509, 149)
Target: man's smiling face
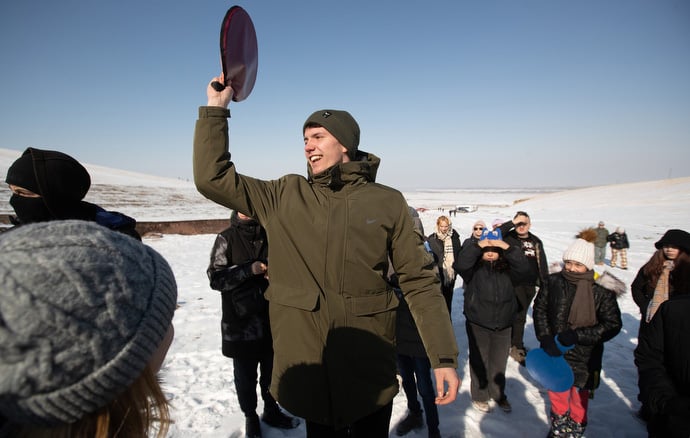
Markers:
point(322, 149)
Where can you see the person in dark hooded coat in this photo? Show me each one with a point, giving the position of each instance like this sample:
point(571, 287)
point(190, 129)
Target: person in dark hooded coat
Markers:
point(239, 270)
point(662, 357)
point(660, 279)
point(50, 185)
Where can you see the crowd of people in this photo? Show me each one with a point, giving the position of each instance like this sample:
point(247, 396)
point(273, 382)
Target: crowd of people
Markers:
point(352, 277)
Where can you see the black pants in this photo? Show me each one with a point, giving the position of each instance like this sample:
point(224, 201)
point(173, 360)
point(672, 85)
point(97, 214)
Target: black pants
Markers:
point(245, 380)
point(488, 357)
point(447, 291)
point(524, 293)
point(374, 425)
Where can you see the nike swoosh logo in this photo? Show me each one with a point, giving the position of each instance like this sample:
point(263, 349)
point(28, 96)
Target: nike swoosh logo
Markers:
point(370, 221)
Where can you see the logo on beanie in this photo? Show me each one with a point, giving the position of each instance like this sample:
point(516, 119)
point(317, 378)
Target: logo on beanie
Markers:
point(326, 114)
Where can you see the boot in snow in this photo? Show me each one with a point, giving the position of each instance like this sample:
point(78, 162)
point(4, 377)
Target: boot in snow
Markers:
point(252, 427)
point(576, 430)
point(413, 421)
point(560, 425)
point(274, 417)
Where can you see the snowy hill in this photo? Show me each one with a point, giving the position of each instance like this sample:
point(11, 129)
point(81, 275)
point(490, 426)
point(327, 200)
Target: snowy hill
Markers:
point(144, 197)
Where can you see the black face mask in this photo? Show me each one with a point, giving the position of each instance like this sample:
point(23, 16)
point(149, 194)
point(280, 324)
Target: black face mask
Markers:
point(30, 210)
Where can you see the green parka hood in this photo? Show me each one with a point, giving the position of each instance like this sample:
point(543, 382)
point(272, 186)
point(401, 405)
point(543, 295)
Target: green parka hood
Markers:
point(362, 169)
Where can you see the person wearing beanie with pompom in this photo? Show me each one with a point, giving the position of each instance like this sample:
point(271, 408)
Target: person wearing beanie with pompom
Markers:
point(574, 314)
point(85, 324)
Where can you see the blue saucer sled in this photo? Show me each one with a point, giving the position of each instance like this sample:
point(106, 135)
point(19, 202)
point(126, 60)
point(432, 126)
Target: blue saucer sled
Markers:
point(553, 373)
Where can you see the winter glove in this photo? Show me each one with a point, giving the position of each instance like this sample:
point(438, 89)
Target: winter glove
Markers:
point(548, 344)
point(570, 336)
point(567, 338)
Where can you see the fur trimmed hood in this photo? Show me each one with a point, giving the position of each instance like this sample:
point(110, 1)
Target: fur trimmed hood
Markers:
point(611, 282)
point(606, 279)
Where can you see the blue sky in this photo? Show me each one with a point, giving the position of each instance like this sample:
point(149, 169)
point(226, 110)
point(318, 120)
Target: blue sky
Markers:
point(448, 94)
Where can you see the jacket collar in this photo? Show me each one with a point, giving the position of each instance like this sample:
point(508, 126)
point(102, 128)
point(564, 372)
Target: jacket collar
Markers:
point(361, 170)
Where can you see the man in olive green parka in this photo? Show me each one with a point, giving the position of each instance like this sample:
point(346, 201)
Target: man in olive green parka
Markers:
point(332, 311)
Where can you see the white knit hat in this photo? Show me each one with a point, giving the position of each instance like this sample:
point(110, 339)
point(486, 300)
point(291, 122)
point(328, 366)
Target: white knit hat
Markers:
point(580, 251)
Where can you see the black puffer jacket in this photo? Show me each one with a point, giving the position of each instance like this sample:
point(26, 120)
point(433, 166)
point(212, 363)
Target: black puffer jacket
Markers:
point(618, 240)
point(489, 294)
point(230, 272)
point(662, 357)
point(550, 313)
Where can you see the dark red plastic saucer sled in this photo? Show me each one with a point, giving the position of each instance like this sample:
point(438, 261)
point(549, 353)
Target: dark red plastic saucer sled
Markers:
point(239, 53)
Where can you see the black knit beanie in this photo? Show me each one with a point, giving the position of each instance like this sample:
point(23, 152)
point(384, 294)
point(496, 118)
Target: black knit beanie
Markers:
point(341, 125)
point(54, 175)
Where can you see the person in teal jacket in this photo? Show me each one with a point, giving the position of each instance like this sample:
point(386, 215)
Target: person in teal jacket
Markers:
point(331, 309)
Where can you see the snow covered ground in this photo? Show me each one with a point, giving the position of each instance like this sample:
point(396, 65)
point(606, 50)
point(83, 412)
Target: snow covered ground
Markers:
point(199, 380)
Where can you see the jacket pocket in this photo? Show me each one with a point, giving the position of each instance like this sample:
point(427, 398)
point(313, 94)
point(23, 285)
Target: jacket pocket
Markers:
point(377, 302)
point(304, 299)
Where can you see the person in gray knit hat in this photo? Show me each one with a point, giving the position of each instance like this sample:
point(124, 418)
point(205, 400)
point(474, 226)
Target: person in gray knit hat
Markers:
point(85, 322)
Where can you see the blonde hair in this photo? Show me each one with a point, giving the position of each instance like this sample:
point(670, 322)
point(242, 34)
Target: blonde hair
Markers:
point(442, 219)
point(140, 411)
